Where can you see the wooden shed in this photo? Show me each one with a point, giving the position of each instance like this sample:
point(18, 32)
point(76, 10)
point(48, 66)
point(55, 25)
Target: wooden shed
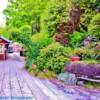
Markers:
point(3, 47)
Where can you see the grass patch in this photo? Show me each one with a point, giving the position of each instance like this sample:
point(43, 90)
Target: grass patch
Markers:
point(92, 85)
point(45, 74)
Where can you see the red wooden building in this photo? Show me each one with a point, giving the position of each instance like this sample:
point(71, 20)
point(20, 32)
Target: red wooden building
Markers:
point(3, 47)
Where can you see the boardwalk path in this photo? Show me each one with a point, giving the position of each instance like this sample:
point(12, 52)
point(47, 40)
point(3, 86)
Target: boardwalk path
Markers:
point(17, 84)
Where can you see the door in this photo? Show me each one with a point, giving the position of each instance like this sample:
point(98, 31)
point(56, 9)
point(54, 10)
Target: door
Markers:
point(2, 48)
point(2, 52)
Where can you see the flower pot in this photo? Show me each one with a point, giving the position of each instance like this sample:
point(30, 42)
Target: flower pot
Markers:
point(75, 58)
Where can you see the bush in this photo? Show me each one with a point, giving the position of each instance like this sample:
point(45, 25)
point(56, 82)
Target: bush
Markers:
point(33, 48)
point(42, 38)
point(55, 13)
point(32, 53)
point(94, 27)
point(97, 51)
point(53, 58)
point(4, 32)
point(47, 75)
point(77, 38)
point(84, 53)
point(90, 7)
point(26, 28)
point(62, 38)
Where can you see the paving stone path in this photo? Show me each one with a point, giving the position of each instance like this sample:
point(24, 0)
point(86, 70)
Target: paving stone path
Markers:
point(17, 84)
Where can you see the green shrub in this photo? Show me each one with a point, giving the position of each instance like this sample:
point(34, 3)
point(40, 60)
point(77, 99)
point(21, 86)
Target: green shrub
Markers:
point(32, 53)
point(94, 27)
point(4, 32)
point(42, 38)
point(26, 28)
point(84, 53)
point(97, 51)
point(34, 72)
point(53, 57)
point(77, 39)
point(47, 75)
point(54, 13)
point(90, 7)
point(24, 36)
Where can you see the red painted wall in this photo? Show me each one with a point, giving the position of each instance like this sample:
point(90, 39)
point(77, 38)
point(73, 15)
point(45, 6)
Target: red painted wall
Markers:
point(3, 56)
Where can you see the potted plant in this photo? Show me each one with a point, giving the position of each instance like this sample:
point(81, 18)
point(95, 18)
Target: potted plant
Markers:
point(75, 58)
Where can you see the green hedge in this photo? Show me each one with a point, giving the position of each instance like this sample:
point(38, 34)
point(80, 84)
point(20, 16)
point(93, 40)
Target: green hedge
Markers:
point(94, 27)
point(53, 58)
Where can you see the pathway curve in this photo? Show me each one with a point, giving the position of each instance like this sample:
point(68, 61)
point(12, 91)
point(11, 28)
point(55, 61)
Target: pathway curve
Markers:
point(17, 84)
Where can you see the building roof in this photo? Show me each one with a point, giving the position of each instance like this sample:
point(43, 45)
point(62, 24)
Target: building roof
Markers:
point(5, 39)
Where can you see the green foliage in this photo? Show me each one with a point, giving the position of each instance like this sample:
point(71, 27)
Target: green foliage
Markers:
point(43, 39)
point(92, 85)
point(34, 72)
point(33, 49)
point(14, 32)
point(4, 32)
point(32, 53)
point(24, 36)
point(53, 58)
point(90, 7)
point(85, 53)
point(35, 22)
point(97, 51)
point(77, 38)
point(25, 12)
point(27, 29)
point(44, 16)
point(94, 27)
point(89, 62)
point(54, 13)
point(46, 74)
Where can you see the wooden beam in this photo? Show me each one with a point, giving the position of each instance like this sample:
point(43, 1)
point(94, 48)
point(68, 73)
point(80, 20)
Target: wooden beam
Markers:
point(97, 77)
point(89, 79)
